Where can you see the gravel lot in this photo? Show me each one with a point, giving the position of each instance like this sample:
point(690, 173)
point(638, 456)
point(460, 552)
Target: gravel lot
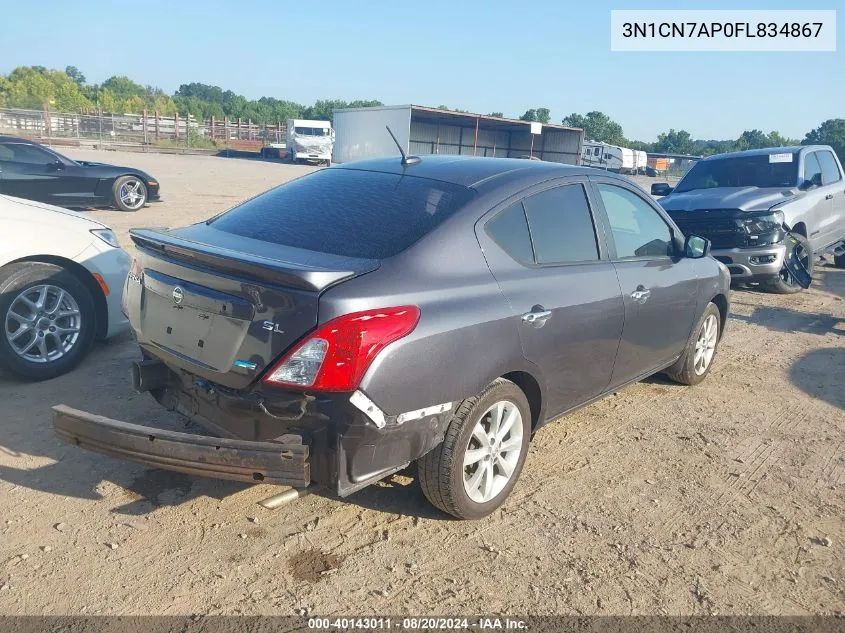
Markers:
point(723, 498)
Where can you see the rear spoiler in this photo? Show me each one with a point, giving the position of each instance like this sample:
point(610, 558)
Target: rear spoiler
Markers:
point(275, 270)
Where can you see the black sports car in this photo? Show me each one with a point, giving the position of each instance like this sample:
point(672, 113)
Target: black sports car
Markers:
point(32, 171)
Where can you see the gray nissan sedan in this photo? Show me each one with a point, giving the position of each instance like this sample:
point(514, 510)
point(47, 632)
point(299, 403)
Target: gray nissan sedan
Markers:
point(437, 310)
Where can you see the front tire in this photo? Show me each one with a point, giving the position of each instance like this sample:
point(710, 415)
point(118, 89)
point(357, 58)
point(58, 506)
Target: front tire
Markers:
point(47, 320)
point(695, 363)
point(784, 284)
point(130, 193)
point(472, 472)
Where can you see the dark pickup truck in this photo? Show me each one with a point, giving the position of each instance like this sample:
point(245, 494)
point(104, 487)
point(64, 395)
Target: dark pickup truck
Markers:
point(760, 207)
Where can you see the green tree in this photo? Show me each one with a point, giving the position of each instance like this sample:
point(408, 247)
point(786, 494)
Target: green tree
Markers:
point(702, 147)
point(77, 77)
point(35, 86)
point(831, 132)
point(322, 110)
point(639, 145)
point(123, 88)
point(776, 140)
point(107, 101)
point(674, 142)
point(540, 115)
point(752, 139)
point(597, 126)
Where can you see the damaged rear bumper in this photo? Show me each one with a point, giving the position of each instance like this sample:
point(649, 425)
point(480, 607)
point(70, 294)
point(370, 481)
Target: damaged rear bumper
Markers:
point(341, 442)
point(220, 458)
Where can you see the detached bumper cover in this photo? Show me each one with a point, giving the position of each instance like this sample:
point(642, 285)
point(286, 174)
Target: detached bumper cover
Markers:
point(219, 458)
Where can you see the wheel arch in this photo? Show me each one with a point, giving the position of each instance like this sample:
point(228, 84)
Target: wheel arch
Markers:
point(721, 302)
point(801, 228)
point(533, 392)
point(101, 312)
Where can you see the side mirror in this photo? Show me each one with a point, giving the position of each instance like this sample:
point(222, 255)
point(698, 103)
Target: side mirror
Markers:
point(815, 181)
point(661, 189)
point(696, 247)
point(56, 165)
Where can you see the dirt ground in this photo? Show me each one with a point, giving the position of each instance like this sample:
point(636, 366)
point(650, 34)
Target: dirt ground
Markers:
point(723, 498)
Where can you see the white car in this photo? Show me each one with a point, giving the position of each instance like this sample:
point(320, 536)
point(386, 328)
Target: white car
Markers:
point(61, 283)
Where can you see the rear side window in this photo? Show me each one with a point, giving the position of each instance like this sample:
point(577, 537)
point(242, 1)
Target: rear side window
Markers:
point(561, 225)
point(347, 212)
point(830, 170)
point(510, 231)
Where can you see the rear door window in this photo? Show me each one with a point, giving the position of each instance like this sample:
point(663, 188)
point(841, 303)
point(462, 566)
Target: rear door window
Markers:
point(349, 212)
point(561, 225)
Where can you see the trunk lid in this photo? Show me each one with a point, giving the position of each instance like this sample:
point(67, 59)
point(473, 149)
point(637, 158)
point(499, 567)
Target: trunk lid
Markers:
point(222, 306)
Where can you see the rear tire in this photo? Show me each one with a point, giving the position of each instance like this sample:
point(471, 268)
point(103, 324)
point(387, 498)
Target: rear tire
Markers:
point(467, 475)
point(22, 321)
point(784, 284)
point(695, 363)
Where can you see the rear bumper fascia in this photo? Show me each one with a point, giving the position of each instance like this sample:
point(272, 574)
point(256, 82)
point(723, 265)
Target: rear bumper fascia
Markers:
point(220, 458)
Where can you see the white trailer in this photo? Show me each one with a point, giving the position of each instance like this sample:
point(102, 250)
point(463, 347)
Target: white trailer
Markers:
point(640, 161)
point(601, 155)
point(627, 161)
point(310, 141)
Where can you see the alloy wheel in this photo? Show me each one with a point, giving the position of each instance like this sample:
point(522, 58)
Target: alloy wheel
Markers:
point(705, 346)
point(493, 451)
point(43, 323)
point(132, 194)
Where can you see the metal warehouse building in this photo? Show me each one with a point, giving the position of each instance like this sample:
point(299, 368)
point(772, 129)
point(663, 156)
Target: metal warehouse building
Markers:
point(360, 133)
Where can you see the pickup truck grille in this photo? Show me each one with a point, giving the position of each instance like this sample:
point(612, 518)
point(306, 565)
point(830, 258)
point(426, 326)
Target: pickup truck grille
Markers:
point(720, 226)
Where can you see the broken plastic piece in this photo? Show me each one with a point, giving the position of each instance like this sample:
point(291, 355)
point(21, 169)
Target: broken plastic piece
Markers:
point(368, 407)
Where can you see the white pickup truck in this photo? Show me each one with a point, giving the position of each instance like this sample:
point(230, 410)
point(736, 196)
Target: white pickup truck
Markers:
point(752, 205)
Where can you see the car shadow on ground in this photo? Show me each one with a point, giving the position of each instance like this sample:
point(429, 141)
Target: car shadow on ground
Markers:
point(27, 437)
point(830, 279)
point(790, 321)
point(819, 373)
point(397, 494)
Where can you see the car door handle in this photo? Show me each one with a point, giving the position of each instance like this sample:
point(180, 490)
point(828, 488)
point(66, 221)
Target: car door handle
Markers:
point(641, 294)
point(537, 317)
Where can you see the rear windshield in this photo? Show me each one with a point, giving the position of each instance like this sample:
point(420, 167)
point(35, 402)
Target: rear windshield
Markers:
point(759, 170)
point(348, 212)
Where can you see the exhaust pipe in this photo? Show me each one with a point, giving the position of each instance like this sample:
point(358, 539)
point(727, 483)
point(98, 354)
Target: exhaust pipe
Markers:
point(276, 501)
point(149, 374)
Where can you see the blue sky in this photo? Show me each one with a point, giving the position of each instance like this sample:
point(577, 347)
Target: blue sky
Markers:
point(477, 56)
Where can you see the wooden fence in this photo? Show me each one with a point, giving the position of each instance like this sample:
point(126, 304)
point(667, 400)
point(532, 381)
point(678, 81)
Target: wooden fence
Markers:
point(144, 128)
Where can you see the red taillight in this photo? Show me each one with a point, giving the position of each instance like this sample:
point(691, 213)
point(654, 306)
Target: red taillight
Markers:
point(336, 356)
